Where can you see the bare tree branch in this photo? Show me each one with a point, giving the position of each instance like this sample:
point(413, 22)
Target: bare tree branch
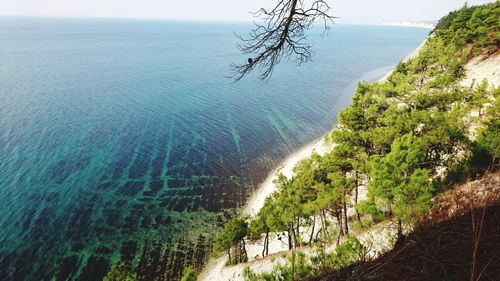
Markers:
point(281, 36)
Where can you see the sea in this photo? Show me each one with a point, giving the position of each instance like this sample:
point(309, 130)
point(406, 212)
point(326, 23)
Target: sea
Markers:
point(126, 141)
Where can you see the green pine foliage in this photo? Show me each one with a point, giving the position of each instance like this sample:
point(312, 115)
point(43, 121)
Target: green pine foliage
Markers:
point(120, 272)
point(231, 240)
point(477, 27)
point(189, 274)
point(489, 136)
point(406, 138)
point(398, 181)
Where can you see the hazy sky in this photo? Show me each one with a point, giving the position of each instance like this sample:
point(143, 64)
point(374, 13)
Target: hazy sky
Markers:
point(353, 11)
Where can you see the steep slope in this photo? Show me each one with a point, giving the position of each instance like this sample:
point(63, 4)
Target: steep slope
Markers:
point(458, 241)
point(428, 127)
point(483, 67)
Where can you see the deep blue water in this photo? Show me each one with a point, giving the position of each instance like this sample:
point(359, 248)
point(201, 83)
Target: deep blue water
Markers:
point(124, 140)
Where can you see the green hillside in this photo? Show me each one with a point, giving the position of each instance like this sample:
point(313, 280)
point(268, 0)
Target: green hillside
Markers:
point(408, 138)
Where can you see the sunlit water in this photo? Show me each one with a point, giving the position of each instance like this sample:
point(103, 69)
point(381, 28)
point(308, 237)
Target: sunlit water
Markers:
point(125, 140)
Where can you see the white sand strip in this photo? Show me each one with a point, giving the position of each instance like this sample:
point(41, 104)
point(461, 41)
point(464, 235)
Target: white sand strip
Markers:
point(256, 201)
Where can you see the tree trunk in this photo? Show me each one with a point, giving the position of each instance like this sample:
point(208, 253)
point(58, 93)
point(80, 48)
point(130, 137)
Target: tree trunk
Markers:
point(400, 228)
point(323, 222)
point(346, 221)
point(267, 242)
point(264, 247)
point(318, 233)
point(294, 236)
point(356, 194)
point(244, 256)
point(240, 253)
point(297, 232)
point(293, 251)
point(265, 250)
point(339, 220)
point(312, 231)
point(229, 254)
point(290, 245)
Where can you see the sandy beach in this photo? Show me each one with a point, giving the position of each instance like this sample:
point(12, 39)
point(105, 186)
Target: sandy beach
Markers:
point(215, 269)
point(256, 201)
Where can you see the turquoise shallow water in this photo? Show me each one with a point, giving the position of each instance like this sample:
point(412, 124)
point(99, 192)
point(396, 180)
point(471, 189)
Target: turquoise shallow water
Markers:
point(124, 140)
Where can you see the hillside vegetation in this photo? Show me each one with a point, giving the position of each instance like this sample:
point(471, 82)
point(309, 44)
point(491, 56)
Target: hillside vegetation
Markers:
point(458, 241)
point(403, 140)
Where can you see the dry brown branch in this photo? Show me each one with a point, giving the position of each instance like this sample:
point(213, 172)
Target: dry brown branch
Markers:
point(280, 34)
point(476, 237)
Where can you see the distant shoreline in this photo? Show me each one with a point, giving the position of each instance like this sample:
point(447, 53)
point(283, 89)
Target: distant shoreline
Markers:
point(411, 24)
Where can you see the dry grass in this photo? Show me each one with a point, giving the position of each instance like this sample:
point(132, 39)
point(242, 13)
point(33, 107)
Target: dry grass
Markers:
point(459, 240)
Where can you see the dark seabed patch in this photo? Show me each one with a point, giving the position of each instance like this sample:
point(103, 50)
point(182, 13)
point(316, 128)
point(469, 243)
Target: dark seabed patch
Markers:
point(122, 141)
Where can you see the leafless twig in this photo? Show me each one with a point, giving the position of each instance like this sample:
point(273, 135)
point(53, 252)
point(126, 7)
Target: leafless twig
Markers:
point(281, 35)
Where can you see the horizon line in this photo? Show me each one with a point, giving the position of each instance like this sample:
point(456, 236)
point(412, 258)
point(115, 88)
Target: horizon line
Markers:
point(199, 20)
